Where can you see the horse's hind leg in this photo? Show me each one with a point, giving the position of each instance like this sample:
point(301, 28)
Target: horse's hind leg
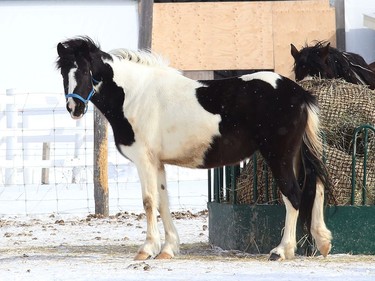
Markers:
point(318, 229)
point(284, 174)
point(172, 241)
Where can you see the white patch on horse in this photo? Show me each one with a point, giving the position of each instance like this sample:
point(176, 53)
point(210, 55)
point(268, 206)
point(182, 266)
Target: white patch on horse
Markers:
point(72, 80)
point(309, 77)
point(72, 85)
point(288, 244)
point(173, 101)
point(319, 229)
point(266, 76)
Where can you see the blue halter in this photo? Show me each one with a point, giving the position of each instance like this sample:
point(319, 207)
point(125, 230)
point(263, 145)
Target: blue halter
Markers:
point(85, 101)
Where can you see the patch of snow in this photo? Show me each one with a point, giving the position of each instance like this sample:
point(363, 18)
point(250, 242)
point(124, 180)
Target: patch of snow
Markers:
point(71, 247)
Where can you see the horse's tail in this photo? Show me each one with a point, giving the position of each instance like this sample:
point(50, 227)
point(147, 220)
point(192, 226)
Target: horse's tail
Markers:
point(313, 167)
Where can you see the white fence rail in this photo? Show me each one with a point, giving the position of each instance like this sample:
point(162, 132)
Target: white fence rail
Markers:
point(47, 162)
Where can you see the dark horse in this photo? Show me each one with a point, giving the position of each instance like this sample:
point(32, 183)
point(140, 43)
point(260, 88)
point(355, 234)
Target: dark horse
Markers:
point(160, 117)
point(324, 61)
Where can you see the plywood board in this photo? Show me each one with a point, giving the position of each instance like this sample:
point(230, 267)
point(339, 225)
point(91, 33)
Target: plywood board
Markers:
point(300, 22)
point(214, 36)
point(239, 35)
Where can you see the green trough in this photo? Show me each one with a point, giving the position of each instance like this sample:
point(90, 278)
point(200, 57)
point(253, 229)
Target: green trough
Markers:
point(257, 229)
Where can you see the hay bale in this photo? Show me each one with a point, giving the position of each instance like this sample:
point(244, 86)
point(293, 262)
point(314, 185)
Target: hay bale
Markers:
point(266, 184)
point(344, 107)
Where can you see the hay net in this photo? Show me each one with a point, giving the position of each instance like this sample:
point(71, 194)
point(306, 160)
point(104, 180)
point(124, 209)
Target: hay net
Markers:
point(343, 108)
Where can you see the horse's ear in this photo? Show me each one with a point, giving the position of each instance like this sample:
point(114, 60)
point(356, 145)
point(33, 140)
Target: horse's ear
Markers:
point(84, 50)
point(61, 50)
point(294, 52)
point(325, 51)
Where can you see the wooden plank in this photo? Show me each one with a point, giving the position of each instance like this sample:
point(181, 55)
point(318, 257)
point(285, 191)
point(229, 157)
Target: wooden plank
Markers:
point(207, 36)
point(239, 35)
point(199, 75)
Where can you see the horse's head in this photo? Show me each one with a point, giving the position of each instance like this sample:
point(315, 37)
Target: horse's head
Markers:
point(311, 61)
point(74, 62)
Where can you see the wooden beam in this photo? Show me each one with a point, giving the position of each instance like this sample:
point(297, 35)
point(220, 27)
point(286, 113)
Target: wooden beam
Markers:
point(145, 14)
point(101, 195)
point(340, 24)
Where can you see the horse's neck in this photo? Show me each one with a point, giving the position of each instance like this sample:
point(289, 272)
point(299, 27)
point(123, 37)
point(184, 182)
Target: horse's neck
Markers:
point(140, 83)
point(139, 80)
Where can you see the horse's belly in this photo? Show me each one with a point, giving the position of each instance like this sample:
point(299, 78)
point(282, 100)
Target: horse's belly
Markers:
point(186, 138)
point(189, 154)
point(188, 146)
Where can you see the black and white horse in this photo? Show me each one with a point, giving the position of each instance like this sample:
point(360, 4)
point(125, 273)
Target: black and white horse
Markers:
point(160, 117)
point(324, 61)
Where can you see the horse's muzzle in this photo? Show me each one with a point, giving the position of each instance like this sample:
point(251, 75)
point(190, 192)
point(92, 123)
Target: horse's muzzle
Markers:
point(76, 111)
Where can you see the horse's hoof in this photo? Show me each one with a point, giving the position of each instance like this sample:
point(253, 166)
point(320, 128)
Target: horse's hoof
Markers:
point(163, 256)
point(324, 250)
point(275, 257)
point(141, 256)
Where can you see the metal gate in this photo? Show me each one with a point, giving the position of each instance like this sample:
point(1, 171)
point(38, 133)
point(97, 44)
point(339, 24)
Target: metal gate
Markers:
point(222, 182)
point(255, 228)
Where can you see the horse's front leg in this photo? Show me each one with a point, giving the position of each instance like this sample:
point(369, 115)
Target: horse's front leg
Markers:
point(148, 176)
point(172, 241)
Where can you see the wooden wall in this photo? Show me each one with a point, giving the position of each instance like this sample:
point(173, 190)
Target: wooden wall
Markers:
point(239, 35)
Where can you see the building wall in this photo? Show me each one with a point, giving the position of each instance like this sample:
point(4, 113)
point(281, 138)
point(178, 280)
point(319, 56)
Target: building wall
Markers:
point(359, 39)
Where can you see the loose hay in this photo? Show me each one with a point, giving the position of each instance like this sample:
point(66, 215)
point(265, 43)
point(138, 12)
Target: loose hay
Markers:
point(343, 108)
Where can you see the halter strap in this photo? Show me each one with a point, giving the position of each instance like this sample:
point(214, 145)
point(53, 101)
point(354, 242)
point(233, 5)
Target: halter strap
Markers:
point(94, 81)
point(85, 101)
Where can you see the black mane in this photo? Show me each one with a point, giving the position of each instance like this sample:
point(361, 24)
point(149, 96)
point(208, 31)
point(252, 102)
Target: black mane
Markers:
point(80, 44)
point(328, 62)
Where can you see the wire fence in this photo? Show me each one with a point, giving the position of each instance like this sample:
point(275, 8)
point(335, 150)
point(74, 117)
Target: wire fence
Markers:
point(47, 162)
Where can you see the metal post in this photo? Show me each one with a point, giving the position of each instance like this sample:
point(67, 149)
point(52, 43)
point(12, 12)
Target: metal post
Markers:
point(255, 175)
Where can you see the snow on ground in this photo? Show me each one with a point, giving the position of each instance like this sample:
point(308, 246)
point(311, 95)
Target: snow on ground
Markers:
point(71, 247)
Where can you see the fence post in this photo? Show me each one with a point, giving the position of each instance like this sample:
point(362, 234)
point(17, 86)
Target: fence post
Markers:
point(78, 142)
point(26, 150)
point(100, 164)
point(11, 140)
point(45, 156)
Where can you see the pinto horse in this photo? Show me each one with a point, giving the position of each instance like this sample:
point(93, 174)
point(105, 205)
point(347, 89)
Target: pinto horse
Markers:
point(160, 117)
point(324, 61)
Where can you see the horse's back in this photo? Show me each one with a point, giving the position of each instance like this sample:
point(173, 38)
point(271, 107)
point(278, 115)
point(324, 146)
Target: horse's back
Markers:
point(257, 110)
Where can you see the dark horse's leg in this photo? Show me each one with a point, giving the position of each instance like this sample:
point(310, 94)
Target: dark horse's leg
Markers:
point(284, 175)
point(283, 156)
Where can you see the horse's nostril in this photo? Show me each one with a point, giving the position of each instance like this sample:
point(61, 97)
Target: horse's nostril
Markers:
point(68, 107)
